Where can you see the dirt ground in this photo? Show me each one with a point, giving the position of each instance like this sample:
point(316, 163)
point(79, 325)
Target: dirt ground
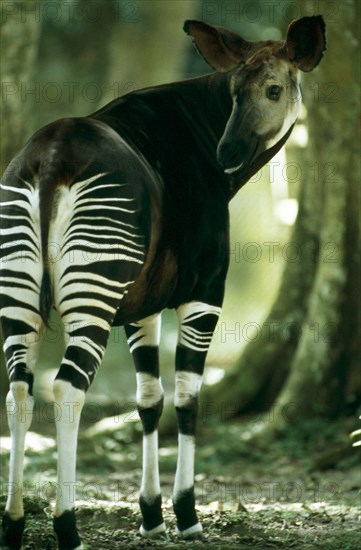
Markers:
point(300, 491)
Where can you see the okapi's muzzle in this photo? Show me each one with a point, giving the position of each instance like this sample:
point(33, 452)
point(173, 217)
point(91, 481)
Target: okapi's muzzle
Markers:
point(235, 156)
point(239, 144)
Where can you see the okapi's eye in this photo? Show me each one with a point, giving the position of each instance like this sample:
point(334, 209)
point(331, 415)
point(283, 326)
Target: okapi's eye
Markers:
point(274, 92)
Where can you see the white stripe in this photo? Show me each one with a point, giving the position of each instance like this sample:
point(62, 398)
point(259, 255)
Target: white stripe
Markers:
point(188, 336)
point(80, 184)
point(84, 343)
point(75, 366)
point(90, 278)
point(149, 390)
point(20, 406)
point(184, 478)
point(18, 281)
point(23, 313)
point(148, 333)
point(26, 192)
point(72, 319)
point(113, 221)
point(89, 302)
point(194, 310)
point(150, 487)
point(100, 186)
point(187, 385)
point(74, 288)
point(69, 401)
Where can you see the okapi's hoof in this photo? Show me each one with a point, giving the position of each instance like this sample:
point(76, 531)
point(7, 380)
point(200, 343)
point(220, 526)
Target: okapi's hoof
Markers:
point(153, 524)
point(12, 533)
point(66, 531)
point(159, 530)
point(194, 532)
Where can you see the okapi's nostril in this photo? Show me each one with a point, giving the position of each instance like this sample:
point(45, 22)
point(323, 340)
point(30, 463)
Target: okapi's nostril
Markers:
point(226, 154)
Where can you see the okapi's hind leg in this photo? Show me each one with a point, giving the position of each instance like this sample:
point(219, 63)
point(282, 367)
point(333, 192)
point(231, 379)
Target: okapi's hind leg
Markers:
point(197, 323)
point(69, 402)
point(21, 345)
point(143, 339)
point(20, 278)
point(86, 342)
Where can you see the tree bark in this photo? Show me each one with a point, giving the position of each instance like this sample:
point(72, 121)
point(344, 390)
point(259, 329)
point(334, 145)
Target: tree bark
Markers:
point(326, 360)
point(20, 35)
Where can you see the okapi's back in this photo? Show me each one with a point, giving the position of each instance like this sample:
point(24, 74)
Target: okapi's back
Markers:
point(75, 224)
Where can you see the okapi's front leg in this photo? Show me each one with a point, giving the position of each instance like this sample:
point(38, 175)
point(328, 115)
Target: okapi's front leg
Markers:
point(197, 323)
point(143, 339)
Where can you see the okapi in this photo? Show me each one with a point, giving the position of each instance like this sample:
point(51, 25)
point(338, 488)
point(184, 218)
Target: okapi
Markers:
point(135, 197)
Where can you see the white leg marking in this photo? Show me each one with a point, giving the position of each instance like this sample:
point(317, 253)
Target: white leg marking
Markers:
point(187, 385)
point(149, 390)
point(150, 487)
point(194, 530)
point(184, 478)
point(152, 532)
point(69, 402)
point(194, 310)
point(19, 411)
point(148, 333)
point(188, 335)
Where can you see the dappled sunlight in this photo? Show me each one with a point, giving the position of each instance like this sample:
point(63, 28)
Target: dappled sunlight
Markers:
point(34, 442)
point(286, 211)
point(212, 375)
point(112, 424)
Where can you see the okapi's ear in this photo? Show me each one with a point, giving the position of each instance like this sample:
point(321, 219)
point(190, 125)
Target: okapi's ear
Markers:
point(306, 42)
point(223, 50)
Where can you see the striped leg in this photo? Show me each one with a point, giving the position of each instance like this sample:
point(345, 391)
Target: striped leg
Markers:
point(101, 249)
point(197, 324)
point(143, 339)
point(20, 402)
point(86, 343)
point(87, 324)
point(20, 276)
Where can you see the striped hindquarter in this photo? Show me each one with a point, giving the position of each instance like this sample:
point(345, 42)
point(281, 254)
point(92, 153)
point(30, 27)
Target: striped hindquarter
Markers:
point(20, 277)
point(101, 250)
point(95, 249)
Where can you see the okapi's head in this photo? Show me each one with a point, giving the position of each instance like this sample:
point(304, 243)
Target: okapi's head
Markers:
point(264, 84)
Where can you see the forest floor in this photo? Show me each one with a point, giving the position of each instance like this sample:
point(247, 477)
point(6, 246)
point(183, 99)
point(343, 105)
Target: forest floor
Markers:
point(300, 491)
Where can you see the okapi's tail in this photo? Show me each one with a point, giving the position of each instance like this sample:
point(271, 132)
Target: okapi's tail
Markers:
point(46, 297)
point(49, 175)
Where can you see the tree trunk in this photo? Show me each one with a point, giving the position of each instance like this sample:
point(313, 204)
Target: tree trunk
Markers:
point(20, 35)
point(158, 55)
point(307, 359)
point(327, 359)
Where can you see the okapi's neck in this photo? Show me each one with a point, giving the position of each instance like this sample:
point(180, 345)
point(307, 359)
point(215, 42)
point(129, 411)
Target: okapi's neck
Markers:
point(179, 124)
point(172, 124)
